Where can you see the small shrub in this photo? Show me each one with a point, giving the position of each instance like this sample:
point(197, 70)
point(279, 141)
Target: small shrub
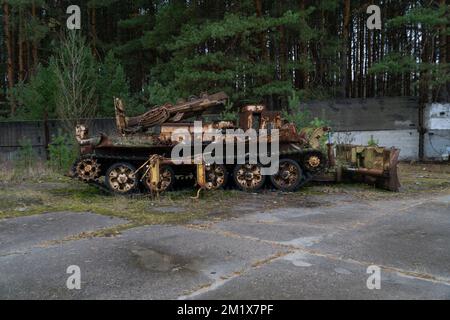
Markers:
point(62, 153)
point(301, 118)
point(25, 167)
point(372, 142)
point(28, 167)
point(294, 114)
point(318, 123)
point(230, 113)
point(26, 156)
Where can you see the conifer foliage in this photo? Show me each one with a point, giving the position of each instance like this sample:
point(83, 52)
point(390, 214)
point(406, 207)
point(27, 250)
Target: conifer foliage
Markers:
point(153, 51)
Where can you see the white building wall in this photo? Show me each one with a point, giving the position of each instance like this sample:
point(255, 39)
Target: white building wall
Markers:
point(437, 144)
point(405, 140)
point(437, 139)
point(437, 116)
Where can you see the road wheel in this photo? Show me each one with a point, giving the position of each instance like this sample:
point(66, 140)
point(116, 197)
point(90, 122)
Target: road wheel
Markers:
point(216, 176)
point(249, 177)
point(87, 170)
point(121, 178)
point(167, 180)
point(290, 176)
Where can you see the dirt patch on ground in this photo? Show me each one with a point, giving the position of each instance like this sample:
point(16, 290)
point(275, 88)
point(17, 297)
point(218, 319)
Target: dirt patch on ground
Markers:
point(424, 177)
point(178, 207)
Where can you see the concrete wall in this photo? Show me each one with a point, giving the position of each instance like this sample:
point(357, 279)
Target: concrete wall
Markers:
point(12, 135)
point(367, 115)
point(393, 122)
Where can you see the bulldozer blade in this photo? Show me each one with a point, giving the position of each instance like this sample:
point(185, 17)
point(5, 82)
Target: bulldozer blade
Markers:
point(371, 165)
point(392, 181)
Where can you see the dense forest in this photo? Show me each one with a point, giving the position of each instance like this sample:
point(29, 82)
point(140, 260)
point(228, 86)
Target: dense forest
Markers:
point(150, 52)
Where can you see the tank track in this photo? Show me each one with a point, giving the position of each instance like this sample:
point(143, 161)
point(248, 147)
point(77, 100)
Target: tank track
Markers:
point(308, 177)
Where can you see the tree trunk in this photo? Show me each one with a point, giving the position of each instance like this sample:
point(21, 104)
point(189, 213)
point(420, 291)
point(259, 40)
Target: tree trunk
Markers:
point(346, 53)
point(361, 32)
point(259, 14)
point(447, 46)
point(353, 62)
point(443, 95)
point(21, 47)
point(9, 49)
point(283, 53)
point(303, 55)
point(322, 62)
point(424, 92)
point(375, 59)
point(94, 31)
point(369, 80)
point(35, 43)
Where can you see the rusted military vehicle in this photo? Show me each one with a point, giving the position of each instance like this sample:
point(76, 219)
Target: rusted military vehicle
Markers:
point(139, 156)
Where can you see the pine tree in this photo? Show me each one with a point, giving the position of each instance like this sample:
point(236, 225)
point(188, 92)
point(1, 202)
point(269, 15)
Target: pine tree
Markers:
point(112, 83)
point(255, 50)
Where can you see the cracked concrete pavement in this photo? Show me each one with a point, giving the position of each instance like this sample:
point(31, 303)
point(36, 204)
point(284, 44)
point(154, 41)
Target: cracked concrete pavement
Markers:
point(319, 252)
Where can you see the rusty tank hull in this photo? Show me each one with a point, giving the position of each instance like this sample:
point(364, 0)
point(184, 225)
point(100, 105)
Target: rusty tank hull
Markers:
point(127, 159)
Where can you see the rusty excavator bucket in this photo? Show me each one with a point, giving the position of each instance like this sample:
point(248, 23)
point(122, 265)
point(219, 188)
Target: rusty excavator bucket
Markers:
point(372, 165)
point(167, 113)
